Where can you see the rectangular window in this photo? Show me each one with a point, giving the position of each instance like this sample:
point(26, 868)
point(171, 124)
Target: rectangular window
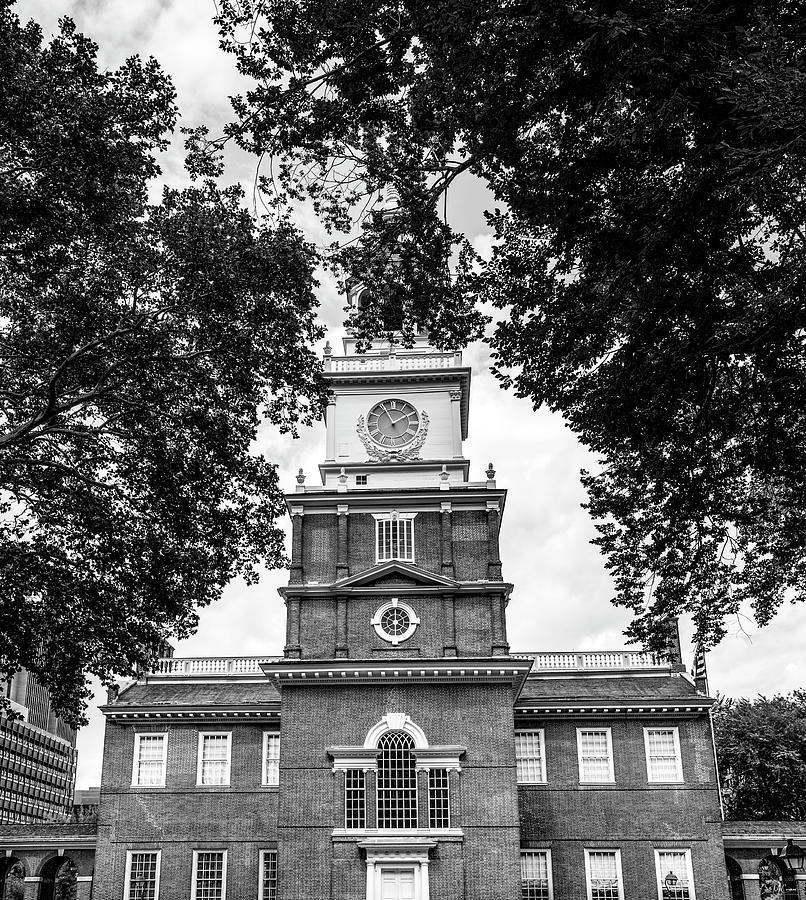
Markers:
point(536, 875)
point(530, 756)
point(214, 758)
point(675, 878)
point(149, 760)
point(603, 872)
point(268, 875)
point(360, 479)
point(595, 749)
point(209, 875)
point(394, 537)
point(663, 761)
point(439, 801)
point(142, 875)
point(355, 799)
point(271, 758)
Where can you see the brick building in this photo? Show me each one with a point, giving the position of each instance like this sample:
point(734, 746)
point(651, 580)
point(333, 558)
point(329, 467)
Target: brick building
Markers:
point(399, 750)
point(37, 755)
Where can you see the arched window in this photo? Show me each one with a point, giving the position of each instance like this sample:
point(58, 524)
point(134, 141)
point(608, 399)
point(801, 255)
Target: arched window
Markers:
point(397, 781)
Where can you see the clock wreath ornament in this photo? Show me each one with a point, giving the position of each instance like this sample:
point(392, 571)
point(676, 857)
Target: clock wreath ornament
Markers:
point(393, 430)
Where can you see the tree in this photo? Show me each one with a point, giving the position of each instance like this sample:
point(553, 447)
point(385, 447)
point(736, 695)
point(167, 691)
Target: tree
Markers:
point(648, 162)
point(761, 748)
point(142, 345)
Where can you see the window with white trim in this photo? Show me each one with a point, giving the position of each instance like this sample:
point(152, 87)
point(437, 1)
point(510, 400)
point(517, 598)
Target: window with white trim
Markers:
point(397, 781)
point(663, 761)
point(603, 873)
point(536, 881)
point(268, 875)
point(142, 875)
point(675, 877)
point(530, 756)
point(209, 875)
point(439, 801)
point(355, 799)
point(271, 758)
point(150, 751)
point(214, 757)
point(595, 749)
point(394, 537)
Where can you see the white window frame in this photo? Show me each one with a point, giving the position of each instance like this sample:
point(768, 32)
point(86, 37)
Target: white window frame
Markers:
point(196, 870)
point(686, 851)
point(678, 756)
point(542, 733)
point(588, 882)
point(127, 879)
point(264, 778)
point(262, 868)
point(138, 735)
point(547, 851)
point(609, 733)
point(202, 735)
point(388, 517)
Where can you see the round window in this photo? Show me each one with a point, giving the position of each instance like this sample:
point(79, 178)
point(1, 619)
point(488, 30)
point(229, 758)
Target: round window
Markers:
point(395, 621)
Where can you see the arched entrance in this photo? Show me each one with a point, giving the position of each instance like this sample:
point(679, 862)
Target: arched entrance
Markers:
point(12, 879)
point(735, 878)
point(775, 880)
point(59, 879)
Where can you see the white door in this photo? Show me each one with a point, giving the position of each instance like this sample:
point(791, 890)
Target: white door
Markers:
point(397, 884)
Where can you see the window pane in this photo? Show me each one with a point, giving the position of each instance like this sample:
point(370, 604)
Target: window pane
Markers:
point(150, 753)
point(663, 763)
point(395, 538)
point(397, 782)
point(673, 865)
point(529, 756)
point(143, 876)
point(439, 814)
point(272, 760)
point(268, 888)
point(209, 875)
point(354, 799)
point(214, 762)
point(534, 875)
point(594, 755)
point(603, 875)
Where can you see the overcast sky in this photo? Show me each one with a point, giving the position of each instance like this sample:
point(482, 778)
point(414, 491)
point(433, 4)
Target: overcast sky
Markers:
point(561, 595)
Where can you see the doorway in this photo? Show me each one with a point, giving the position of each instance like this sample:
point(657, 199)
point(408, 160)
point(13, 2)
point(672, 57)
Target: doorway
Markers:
point(397, 884)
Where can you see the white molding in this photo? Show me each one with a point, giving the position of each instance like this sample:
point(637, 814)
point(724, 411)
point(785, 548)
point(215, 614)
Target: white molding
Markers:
point(195, 870)
point(262, 868)
point(263, 768)
point(128, 875)
point(547, 851)
point(397, 853)
point(213, 733)
point(393, 603)
point(396, 722)
point(138, 735)
point(542, 733)
point(609, 733)
point(678, 755)
point(659, 876)
point(588, 885)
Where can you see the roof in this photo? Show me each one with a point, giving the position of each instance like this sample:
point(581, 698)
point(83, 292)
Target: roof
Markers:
point(194, 693)
point(764, 828)
point(617, 688)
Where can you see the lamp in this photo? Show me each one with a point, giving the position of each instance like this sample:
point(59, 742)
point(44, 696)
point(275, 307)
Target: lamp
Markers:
point(793, 855)
point(669, 884)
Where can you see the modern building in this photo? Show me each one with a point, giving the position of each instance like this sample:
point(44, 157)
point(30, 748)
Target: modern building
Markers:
point(399, 749)
point(37, 755)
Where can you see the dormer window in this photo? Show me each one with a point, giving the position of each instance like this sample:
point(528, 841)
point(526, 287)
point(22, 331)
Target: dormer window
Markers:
point(394, 537)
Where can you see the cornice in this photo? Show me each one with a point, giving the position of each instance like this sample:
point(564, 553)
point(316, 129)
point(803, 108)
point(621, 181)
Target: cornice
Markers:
point(475, 495)
point(299, 591)
point(610, 709)
point(161, 712)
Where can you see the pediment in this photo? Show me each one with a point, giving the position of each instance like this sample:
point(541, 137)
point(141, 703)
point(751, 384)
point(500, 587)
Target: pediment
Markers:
point(395, 572)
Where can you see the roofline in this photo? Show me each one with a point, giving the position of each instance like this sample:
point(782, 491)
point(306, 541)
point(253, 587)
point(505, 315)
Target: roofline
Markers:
point(480, 492)
point(468, 587)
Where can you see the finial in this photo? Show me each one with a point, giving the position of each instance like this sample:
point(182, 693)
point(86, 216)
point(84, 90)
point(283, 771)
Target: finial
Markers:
point(328, 348)
point(300, 477)
point(443, 478)
point(490, 472)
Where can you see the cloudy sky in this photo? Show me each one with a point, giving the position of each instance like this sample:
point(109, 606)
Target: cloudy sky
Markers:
point(561, 596)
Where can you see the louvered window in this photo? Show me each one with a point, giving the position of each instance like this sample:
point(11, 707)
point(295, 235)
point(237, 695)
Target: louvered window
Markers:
point(439, 805)
point(394, 538)
point(535, 875)
point(355, 799)
point(397, 781)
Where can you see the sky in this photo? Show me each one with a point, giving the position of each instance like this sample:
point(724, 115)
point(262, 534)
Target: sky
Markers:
point(562, 591)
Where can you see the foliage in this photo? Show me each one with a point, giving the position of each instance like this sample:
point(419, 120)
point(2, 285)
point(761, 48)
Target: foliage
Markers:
point(761, 748)
point(142, 344)
point(648, 163)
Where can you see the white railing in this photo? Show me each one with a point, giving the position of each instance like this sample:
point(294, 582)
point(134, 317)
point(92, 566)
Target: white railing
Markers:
point(433, 360)
point(211, 665)
point(596, 659)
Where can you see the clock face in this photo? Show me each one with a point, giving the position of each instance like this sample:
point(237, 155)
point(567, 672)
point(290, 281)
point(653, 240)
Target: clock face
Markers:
point(393, 423)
